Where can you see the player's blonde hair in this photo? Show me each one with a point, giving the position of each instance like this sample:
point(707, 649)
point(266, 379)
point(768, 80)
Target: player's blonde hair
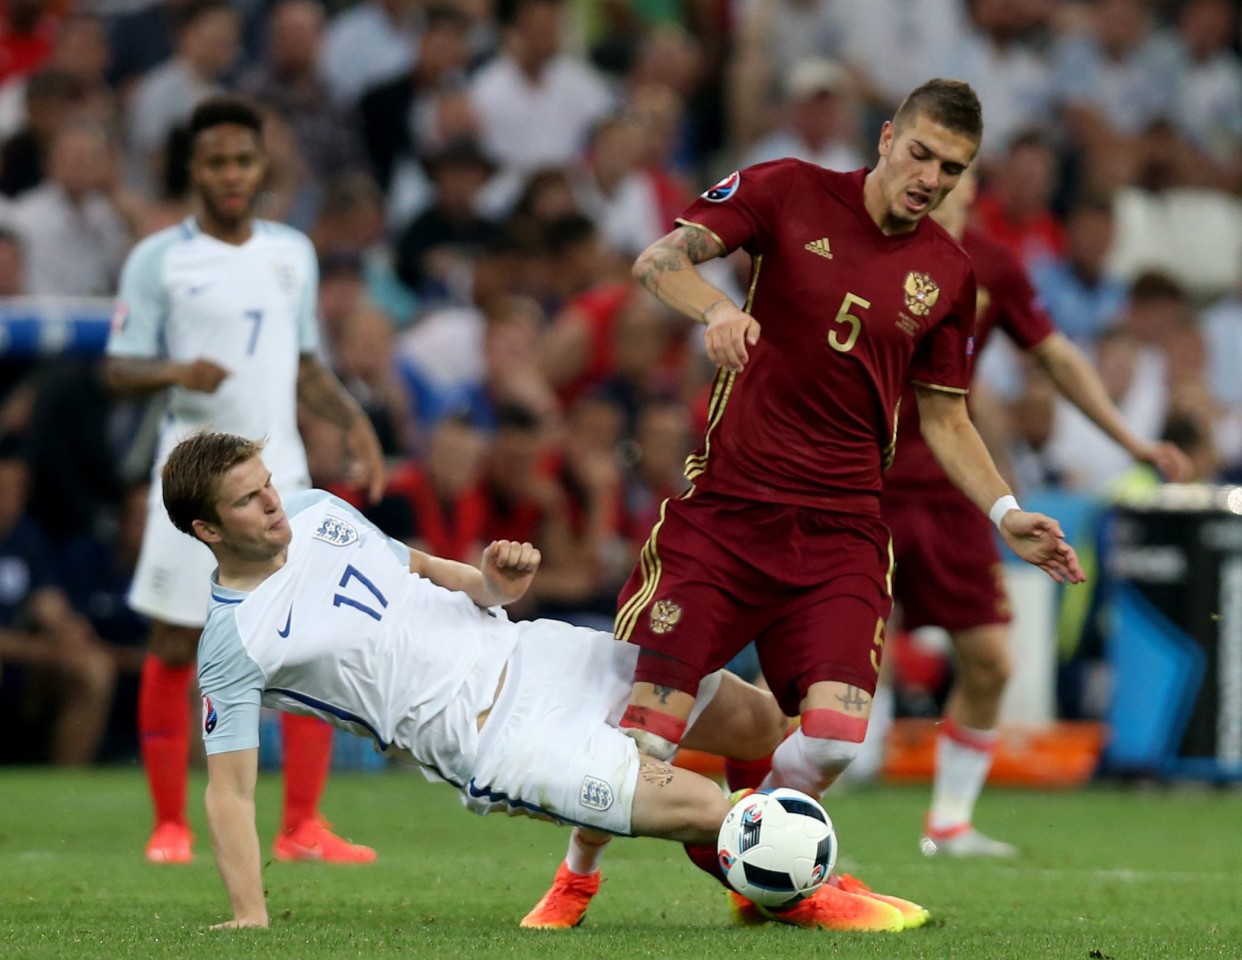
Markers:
point(191, 475)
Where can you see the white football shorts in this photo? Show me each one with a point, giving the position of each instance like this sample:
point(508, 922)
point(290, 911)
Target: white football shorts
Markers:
point(551, 747)
point(173, 579)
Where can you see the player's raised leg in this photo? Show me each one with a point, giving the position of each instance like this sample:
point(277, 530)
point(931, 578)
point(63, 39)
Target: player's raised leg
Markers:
point(739, 721)
point(965, 746)
point(164, 737)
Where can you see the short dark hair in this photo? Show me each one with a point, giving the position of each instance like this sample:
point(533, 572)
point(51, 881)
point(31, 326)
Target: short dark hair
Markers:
point(191, 475)
point(507, 11)
point(51, 84)
point(1184, 432)
point(1032, 138)
point(950, 103)
point(568, 231)
point(195, 10)
point(443, 15)
point(1152, 285)
point(225, 109)
point(517, 416)
point(1090, 201)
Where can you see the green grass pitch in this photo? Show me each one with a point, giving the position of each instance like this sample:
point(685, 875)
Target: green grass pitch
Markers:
point(1107, 874)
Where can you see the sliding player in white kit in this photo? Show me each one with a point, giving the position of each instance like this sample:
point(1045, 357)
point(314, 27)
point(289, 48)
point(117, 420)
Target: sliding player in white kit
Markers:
point(220, 310)
point(317, 612)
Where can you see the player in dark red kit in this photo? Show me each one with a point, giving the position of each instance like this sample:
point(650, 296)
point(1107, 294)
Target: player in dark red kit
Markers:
point(780, 539)
point(962, 589)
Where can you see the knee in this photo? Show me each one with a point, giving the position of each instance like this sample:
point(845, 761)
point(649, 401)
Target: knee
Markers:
point(831, 757)
point(651, 744)
point(766, 728)
point(986, 671)
point(174, 646)
point(100, 675)
point(705, 817)
point(90, 673)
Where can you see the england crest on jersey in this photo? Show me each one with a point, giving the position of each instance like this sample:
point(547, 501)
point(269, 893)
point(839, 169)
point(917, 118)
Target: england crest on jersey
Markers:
point(725, 188)
point(286, 277)
point(338, 532)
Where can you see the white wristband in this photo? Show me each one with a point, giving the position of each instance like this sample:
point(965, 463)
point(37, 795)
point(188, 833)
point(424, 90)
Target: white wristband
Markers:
point(1001, 507)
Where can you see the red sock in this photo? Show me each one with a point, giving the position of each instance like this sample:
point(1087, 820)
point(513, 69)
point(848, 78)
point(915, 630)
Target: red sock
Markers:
point(308, 755)
point(164, 734)
point(706, 859)
point(747, 774)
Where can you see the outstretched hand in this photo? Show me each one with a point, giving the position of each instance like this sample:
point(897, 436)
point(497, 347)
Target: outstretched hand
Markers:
point(1172, 463)
point(1040, 541)
point(508, 568)
point(366, 467)
point(729, 332)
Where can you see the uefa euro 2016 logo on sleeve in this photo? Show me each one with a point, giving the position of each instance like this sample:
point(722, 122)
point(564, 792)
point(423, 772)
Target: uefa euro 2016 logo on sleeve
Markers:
point(336, 531)
point(725, 188)
point(210, 717)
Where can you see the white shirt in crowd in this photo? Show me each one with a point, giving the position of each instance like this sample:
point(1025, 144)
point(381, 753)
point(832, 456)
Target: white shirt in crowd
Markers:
point(71, 249)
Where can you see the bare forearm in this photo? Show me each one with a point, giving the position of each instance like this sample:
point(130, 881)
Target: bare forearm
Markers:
point(235, 842)
point(667, 270)
point(325, 395)
point(135, 376)
point(961, 453)
point(452, 575)
point(1076, 380)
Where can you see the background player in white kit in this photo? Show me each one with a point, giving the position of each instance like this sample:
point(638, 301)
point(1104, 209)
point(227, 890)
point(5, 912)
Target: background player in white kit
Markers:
point(220, 310)
point(315, 611)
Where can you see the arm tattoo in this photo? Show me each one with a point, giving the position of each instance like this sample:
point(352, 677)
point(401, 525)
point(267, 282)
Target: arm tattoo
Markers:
point(853, 699)
point(656, 772)
point(678, 251)
point(324, 394)
point(700, 246)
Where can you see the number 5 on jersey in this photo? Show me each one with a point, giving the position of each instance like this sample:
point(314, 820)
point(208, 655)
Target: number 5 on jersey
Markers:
point(846, 319)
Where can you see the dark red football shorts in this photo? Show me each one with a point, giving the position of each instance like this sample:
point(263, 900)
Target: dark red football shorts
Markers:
point(949, 572)
point(810, 587)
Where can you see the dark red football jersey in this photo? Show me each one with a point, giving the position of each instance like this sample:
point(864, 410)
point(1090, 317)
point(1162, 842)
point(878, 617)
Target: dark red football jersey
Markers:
point(1006, 300)
point(848, 315)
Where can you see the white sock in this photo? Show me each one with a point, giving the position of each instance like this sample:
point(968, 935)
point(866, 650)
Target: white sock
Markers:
point(963, 759)
point(583, 857)
point(792, 766)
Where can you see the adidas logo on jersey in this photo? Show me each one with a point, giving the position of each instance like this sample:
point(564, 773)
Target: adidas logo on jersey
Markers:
point(820, 248)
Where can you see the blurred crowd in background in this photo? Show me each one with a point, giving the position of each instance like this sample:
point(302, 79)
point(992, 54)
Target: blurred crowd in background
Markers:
point(477, 177)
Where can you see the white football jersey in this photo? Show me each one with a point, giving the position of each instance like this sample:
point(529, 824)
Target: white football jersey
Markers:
point(250, 308)
point(345, 632)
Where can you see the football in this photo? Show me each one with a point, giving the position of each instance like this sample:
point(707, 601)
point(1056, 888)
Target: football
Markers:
point(776, 847)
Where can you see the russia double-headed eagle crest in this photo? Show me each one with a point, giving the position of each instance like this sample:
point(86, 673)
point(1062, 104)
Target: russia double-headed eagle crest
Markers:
point(665, 615)
point(922, 292)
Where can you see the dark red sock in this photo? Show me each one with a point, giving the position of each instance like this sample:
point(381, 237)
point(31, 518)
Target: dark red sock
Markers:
point(308, 756)
point(706, 859)
point(747, 774)
point(164, 734)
